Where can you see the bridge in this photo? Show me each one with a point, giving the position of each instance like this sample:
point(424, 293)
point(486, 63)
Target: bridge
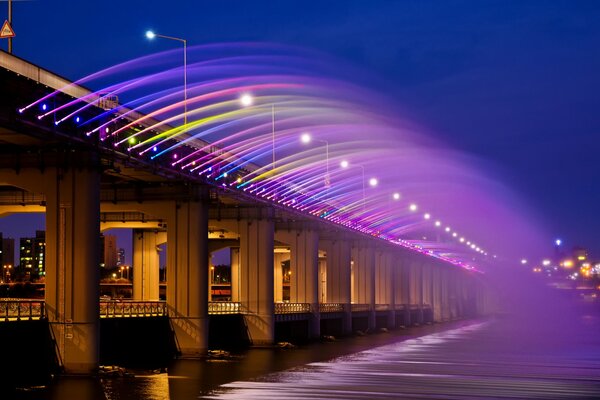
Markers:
point(85, 182)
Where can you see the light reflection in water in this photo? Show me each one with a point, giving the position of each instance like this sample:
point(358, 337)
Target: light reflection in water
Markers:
point(482, 360)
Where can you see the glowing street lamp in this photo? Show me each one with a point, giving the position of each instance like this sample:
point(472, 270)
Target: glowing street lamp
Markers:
point(396, 196)
point(151, 35)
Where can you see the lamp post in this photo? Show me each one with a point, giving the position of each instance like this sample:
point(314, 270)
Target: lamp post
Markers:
point(10, 46)
point(151, 35)
point(306, 138)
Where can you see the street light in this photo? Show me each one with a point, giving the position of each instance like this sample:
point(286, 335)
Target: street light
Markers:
point(151, 35)
point(306, 138)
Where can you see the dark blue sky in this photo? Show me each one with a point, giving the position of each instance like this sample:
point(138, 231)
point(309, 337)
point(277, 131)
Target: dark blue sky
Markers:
point(515, 83)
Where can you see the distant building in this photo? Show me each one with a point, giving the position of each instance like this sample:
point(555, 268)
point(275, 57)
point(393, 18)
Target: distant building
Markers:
point(7, 251)
point(108, 244)
point(32, 252)
point(121, 256)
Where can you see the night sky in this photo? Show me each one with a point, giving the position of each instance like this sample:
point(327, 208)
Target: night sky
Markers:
point(513, 83)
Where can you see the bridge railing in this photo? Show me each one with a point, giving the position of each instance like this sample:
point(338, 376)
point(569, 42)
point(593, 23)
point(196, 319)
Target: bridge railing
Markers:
point(361, 307)
point(224, 307)
point(331, 307)
point(127, 308)
point(292, 308)
point(382, 307)
point(21, 309)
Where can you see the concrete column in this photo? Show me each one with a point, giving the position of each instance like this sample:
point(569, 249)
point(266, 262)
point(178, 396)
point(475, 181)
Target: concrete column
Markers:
point(416, 288)
point(304, 263)
point(338, 278)
point(426, 276)
point(72, 264)
point(437, 294)
point(406, 284)
point(235, 274)
point(278, 259)
point(445, 299)
point(187, 274)
point(363, 256)
point(385, 285)
point(146, 259)
point(256, 278)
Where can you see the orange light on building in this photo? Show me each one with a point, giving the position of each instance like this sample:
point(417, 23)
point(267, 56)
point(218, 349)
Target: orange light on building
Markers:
point(567, 264)
point(581, 258)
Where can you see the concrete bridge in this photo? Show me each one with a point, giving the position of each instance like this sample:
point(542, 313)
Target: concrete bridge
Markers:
point(85, 185)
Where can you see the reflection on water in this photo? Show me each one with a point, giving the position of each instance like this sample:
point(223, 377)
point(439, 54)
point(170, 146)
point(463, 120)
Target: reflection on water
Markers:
point(484, 360)
point(508, 357)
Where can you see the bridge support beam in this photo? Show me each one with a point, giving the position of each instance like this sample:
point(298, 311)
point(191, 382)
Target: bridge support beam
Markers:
point(187, 261)
point(416, 289)
point(403, 295)
point(187, 274)
point(363, 290)
point(304, 264)
point(72, 265)
point(385, 285)
point(436, 288)
point(146, 258)
point(338, 283)
point(256, 273)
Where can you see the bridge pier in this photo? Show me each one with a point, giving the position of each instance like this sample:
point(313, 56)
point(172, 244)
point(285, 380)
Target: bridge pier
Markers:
point(304, 264)
point(338, 283)
point(363, 272)
point(187, 260)
point(256, 278)
point(72, 265)
point(146, 258)
point(72, 251)
point(385, 285)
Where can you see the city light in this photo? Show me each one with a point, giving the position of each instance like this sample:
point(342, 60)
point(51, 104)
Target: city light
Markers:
point(523, 261)
point(558, 242)
point(396, 195)
point(150, 34)
point(546, 263)
point(427, 216)
point(373, 182)
point(344, 164)
point(413, 207)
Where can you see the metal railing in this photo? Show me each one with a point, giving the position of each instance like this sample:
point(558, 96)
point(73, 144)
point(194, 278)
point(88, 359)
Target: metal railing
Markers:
point(224, 307)
point(128, 308)
point(292, 308)
point(331, 307)
point(21, 309)
point(382, 307)
point(361, 307)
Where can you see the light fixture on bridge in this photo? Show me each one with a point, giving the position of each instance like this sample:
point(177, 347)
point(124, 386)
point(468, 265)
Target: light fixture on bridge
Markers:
point(427, 216)
point(373, 182)
point(246, 100)
point(152, 35)
point(523, 261)
point(396, 196)
point(448, 229)
point(558, 242)
point(438, 223)
point(305, 138)
point(413, 207)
